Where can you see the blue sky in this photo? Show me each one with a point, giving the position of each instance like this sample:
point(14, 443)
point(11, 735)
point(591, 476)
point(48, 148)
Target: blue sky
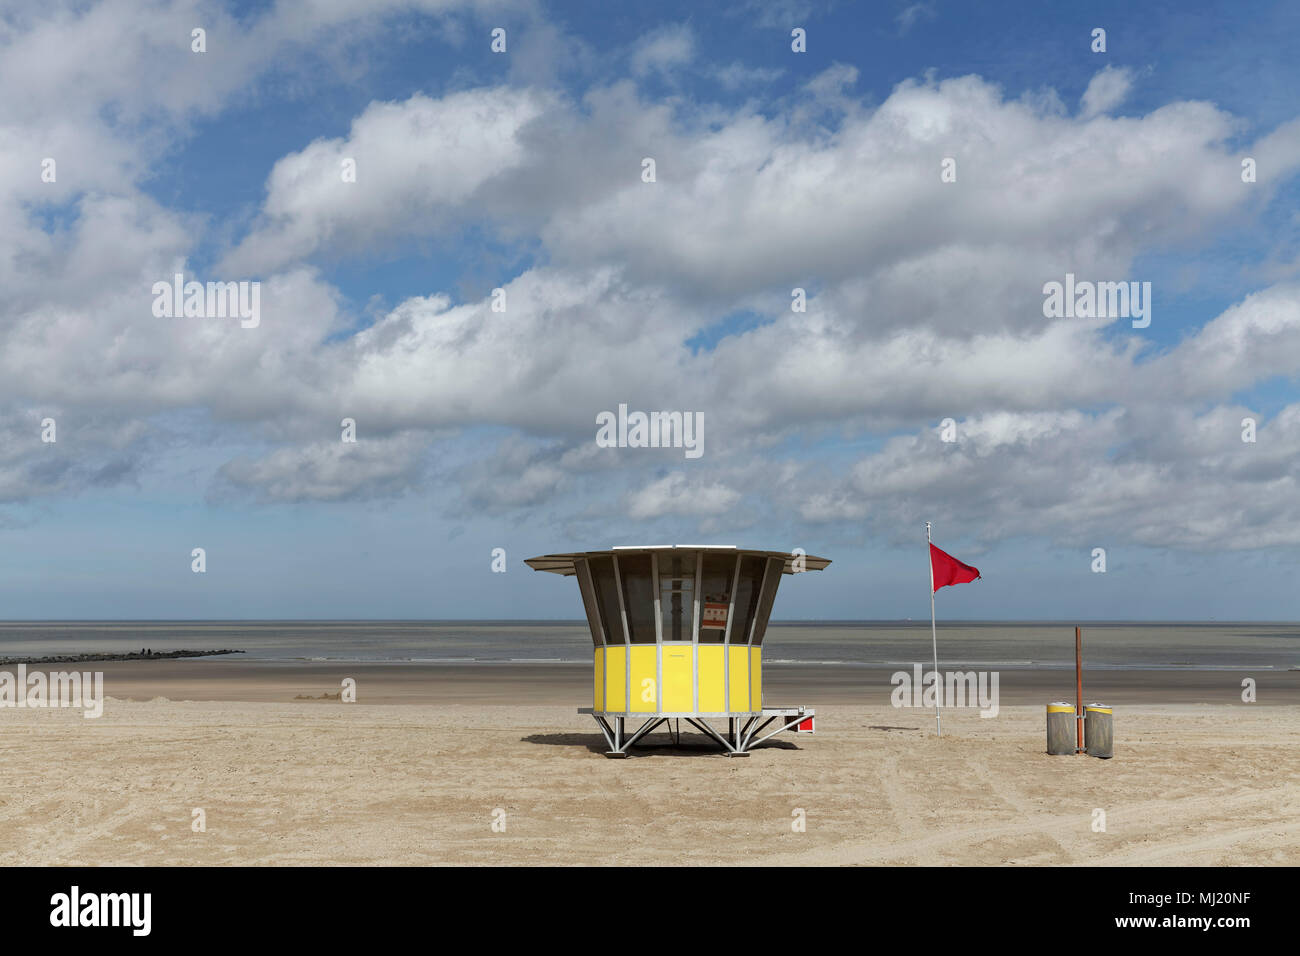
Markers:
point(521, 171)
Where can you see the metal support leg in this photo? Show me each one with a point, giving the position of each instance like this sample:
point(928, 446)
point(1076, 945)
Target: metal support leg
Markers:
point(787, 726)
point(702, 725)
point(754, 728)
point(616, 736)
point(742, 734)
point(617, 750)
point(648, 726)
point(606, 730)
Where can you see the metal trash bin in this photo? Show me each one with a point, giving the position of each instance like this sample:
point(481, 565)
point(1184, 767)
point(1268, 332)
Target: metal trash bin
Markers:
point(1098, 731)
point(1062, 736)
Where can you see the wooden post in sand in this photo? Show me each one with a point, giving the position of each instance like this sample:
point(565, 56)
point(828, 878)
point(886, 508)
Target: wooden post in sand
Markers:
point(1078, 688)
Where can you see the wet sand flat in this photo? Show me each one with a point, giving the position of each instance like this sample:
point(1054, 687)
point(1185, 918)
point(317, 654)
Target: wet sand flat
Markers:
point(561, 684)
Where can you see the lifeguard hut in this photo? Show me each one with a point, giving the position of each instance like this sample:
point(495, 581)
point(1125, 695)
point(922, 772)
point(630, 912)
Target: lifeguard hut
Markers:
point(678, 632)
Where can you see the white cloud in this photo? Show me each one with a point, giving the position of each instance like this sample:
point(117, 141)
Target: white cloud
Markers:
point(1106, 90)
point(663, 50)
point(675, 494)
point(736, 75)
point(330, 470)
point(72, 58)
point(415, 162)
point(924, 301)
point(912, 14)
point(1172, 479)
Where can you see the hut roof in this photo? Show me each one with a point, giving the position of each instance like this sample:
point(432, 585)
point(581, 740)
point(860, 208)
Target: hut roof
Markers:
point(563, 563)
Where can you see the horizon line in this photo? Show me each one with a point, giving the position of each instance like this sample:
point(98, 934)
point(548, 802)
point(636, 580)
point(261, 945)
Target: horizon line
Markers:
point(583, 622)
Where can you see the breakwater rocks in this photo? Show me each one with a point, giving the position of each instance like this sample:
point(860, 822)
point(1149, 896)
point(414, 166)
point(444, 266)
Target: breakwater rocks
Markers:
point(144, 654)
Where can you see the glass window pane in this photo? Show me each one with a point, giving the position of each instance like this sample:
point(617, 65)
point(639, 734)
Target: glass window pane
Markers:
point(602, 575)
point(677, 594)
point(751, 580)
point(638, 596)
point(589, 600)
point(715, 595)
point(769, 595)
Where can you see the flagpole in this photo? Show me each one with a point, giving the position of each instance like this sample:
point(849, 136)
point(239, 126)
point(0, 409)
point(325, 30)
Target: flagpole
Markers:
point(934, 637)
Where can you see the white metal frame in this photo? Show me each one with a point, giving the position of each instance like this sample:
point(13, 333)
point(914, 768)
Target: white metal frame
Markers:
point(737, 742)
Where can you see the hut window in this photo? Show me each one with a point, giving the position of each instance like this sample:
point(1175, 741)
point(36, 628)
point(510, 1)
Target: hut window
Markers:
point(715, 596)
point(677, 594)
point(747, 595)
point(769, 595)
point(602, 575)
point(638, 596)
point(589, 601)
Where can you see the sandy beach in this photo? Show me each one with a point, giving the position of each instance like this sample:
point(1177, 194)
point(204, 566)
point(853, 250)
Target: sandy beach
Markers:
point(417, 769)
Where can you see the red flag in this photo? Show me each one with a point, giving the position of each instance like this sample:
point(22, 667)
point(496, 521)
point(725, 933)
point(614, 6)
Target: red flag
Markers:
point(948, 570)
